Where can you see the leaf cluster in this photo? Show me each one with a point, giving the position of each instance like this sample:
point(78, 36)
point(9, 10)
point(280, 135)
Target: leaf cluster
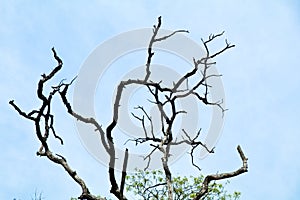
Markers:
point(151, 185)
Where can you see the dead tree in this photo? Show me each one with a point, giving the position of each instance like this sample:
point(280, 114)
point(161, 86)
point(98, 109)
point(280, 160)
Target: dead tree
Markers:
point(43, 119)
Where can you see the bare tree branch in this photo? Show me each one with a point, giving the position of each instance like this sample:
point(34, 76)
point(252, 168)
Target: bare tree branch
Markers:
point(124, 173)
point(44, 112)
point(165, 99)
point(213, 177)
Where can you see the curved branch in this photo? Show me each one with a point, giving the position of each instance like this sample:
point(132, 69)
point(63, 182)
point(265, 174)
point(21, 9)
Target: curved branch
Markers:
point(44, 112)
point(214, 177)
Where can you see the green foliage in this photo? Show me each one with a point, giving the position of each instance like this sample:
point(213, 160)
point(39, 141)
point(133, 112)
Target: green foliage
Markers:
point(151, 185)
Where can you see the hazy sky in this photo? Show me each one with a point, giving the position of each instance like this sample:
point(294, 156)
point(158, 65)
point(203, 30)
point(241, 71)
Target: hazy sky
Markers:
point(260, 76)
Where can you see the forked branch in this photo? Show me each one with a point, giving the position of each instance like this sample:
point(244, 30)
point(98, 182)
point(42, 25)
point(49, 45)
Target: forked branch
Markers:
point(43, 115)
point(165, 98)
point(214, 177)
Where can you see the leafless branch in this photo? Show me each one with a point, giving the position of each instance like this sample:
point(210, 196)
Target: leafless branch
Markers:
point(153, 186)
point(221, 176)
point(163, 97)
point(125, 162)
point(45, 112)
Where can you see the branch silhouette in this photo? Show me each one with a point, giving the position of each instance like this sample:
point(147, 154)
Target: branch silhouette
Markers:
point(163, 97)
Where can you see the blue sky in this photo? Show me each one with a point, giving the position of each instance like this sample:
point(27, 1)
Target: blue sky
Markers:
point(260, 76)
